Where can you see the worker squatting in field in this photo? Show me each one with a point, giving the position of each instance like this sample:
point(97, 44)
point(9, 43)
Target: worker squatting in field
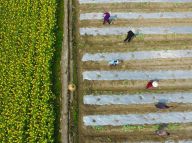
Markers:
point(161, 130)
point(106, 18)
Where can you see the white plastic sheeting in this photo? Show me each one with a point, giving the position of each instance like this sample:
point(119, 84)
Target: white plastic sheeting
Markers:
point(133, 15)
point(137, 119)
point(137, 75)
point(137, 1)
point(141, 55)
point(142, 30)
point(137, 99)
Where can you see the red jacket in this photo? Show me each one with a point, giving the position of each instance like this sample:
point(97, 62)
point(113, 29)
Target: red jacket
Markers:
point(149, 85)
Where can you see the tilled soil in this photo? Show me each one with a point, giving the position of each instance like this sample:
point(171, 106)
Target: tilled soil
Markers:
point(136, 7)
point(140, 22)
point(132, 109)
point(147, 42)
point(135, 46)
point(138, 85)
point(119, 135)
point(114, 40)
point(183, 63)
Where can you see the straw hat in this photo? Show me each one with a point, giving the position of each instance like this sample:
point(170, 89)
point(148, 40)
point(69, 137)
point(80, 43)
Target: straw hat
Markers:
point(155, 84)
point(71, 87)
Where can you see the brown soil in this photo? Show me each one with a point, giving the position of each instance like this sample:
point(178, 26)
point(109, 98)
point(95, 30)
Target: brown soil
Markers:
point(157, 64)
point(135, 46)
point(133, 109)
point(139, 86)
point(136, 7)
point(137, 137)
point(138, 22)
point(98, 130)
point(113, 40)
point(118, 135)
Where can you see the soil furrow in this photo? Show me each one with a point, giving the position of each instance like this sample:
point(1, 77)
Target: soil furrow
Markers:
point(134, 46)
point(133, 109)
point(132, 67)
point(117, 40)
point(137, 22)
point(139, 86)
point(179, 136)
point(136, 7)
point(134, 134)
point(156, 64)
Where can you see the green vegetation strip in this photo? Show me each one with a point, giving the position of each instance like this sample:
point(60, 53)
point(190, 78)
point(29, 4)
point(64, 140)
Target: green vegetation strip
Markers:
point(132, 128)
point(26, 99)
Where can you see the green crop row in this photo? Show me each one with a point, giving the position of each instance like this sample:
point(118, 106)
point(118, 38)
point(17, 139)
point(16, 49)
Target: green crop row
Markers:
point(26, 50)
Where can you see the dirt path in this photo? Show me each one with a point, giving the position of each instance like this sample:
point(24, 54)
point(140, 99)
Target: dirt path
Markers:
point(65, 72)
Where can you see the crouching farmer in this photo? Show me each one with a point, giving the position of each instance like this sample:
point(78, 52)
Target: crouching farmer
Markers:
point(106, 19)
point(114, 62)
point(130, 36)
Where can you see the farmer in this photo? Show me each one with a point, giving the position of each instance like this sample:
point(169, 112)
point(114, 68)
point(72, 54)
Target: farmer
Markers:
point(162, 105)
point(161, 130)
point(130, 36)
point(106, 16)
point(114, 62)
point(162, 133)
point(152, 84)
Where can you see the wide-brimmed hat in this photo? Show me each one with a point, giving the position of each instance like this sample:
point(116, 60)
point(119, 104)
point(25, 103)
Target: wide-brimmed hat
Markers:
point(155, 84)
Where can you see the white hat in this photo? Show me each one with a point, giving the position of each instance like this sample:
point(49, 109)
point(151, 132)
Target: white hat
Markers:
point(155, 84)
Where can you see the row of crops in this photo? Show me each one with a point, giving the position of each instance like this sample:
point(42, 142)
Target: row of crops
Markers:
point(26, 50)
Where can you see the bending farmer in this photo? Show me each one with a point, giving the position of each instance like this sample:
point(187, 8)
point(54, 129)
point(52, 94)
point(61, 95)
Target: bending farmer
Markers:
point(130, 36)
point(106, 18)
point(114, 62)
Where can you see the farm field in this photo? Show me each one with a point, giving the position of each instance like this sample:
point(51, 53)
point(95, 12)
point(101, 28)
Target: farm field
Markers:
point(27, 103)
point(114, 105)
